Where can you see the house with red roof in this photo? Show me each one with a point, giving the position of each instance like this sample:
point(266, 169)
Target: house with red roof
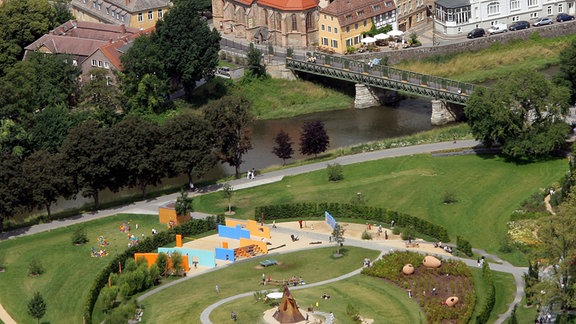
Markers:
point(89, 45)
point(286, 23)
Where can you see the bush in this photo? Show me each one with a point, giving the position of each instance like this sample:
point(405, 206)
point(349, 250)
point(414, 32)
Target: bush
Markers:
point(373, 214)
point(449, 197)
point(79, 236)
point(35, 268)
point(335, 172)
point(464, 246)
point(366, 235)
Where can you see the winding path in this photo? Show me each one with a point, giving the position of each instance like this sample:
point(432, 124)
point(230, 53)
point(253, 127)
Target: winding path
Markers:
point(151, 207)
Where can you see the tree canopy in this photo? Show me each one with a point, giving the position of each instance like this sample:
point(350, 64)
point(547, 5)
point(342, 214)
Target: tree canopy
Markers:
point(283, 148)
point(313, 138)
point(523, 113)
point(37, 306)
point(232, 118)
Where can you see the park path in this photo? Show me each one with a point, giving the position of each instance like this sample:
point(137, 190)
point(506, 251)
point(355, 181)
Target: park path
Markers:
point(150, 206)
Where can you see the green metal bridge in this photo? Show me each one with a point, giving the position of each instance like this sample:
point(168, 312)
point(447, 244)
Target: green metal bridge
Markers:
point(382, 76)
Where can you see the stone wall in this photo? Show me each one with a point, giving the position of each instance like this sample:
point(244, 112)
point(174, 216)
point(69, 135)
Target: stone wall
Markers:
point(419, 53)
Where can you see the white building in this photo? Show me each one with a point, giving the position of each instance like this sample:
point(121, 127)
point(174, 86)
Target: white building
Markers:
point(454, 17)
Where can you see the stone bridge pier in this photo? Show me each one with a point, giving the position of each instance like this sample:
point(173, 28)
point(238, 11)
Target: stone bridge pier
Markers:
point(445, 112)
point(442, 112)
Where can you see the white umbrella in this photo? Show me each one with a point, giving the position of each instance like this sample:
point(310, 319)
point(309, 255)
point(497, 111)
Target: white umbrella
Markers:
point(275, 295)
point(368, 40)
point(381, 36)
point(395, 33)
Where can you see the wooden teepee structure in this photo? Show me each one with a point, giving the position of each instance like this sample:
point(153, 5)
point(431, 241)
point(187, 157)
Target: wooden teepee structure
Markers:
point(288, 310)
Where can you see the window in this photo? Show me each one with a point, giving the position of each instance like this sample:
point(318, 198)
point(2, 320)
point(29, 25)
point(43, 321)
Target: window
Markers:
point(334, 43)
point(94, 4)
point(323, 27)
point(532, 3)
point(325, 17)
point(349, 42)
point(93, 62)
point(515, 18)
point(123, 18)
point(100, 6)
point(140, 17)
point(99, 63)
point(549, 10)
point(106, 66)
point(74, 63)
point(365, 23)
point(348, 17)
point(329, 29)
point(376, 7)
point(533, 15)
point(108, 10)
point(347, 29)
point(493, 8)
point(356, 26)
point(514, 4)
point(331, 18)
point(309, 21)
point(360, 13)
point(356, 40)
point(160, 14)
point(335, 30)
point(150, 15)
point(324, 41)
point(560, 7)
point(294, 23)
point(388, 4)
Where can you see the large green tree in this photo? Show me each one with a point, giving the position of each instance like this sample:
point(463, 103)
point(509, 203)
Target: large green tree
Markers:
point(45, 179)
point(232, 118)
point(523, 113)
point(102, 98)
point(12, 193)
point(21, 23)
point(567, 73)
point(132, 149)
point(32, 85)
point(51, 125)
point(188, 146)
point(85, 151)
point(558, 250)
point(189, 47)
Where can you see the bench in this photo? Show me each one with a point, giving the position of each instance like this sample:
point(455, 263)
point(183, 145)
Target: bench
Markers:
point(412, 245)
point(266, 263)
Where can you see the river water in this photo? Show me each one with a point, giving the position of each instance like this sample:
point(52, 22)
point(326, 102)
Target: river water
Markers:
point(344, 127)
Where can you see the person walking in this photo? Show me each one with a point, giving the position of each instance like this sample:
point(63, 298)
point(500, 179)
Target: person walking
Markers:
point(217, 290)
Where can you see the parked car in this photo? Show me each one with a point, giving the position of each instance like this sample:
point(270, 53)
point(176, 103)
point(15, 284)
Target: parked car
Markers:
point(476, 32)
point(542, 22)
point(522, 24)
point(497, 29)
point(564, 17)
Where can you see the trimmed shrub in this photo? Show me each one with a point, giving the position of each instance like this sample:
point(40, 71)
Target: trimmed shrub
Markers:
point(464, 246)
point(355, 211)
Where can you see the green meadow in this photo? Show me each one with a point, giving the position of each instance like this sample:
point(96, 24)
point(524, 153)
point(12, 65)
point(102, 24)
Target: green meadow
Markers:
point(487, 189)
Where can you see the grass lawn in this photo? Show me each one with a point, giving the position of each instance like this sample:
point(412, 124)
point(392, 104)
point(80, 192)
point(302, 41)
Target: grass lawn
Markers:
point(70, 271)
point(494, 62)
point(188, 299)
point(372, 297)
point(505, 288)
point(487, 189)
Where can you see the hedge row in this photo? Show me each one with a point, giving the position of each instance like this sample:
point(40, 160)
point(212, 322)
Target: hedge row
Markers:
point(149, 244)
point(490, 298)
point(338, 210)
point(464, 246)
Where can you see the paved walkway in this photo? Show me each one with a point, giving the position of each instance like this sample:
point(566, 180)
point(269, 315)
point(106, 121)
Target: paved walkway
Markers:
point(151, 207)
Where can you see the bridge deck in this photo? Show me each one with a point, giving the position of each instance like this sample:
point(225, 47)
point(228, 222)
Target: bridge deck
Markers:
point(386, 77)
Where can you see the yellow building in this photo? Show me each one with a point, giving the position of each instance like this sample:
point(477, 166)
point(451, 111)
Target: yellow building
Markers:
point(342, 22)
point(141, 14)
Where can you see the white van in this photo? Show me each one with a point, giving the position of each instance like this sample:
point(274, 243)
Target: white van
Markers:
point(497, 29)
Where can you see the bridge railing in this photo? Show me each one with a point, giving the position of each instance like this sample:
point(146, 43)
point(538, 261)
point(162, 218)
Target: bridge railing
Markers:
point(462, 88)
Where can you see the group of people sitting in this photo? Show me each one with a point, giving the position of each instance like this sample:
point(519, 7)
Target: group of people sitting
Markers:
point(311, 59)
point(445, 247)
